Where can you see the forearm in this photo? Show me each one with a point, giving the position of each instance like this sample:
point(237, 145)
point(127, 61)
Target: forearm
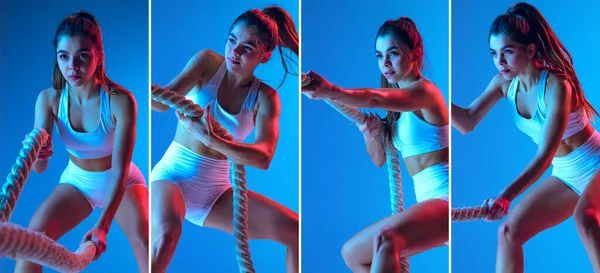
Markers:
point(534, 170)
point(255, 155)
point(113, 199)
point(375, 150)
point(461, 119)
point(360, 98)
point(159, 107)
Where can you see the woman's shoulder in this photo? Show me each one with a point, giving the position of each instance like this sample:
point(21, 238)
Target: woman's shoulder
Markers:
point(120, 98)
point(500, 83)
point(558, 81)
point(203, 65)
point(206, 62)
point(425, 85)
point(49, 96)
point(556, 77)
point(208, 55)
point(267, 95)
point(50, 93)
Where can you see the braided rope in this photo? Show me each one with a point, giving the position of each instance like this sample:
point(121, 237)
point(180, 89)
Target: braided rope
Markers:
point(19, 172)
point(21, 243)
point(471, 213)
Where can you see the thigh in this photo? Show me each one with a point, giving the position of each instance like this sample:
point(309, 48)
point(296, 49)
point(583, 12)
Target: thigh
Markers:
point(61, 211)
point(132, 215)
point(546, 205)
point(266, 218)
point(420, 227)
point(590, 197)
point(168, 206)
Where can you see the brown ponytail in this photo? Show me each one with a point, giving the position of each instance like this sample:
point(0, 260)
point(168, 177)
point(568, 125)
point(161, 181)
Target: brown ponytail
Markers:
point(288, 37)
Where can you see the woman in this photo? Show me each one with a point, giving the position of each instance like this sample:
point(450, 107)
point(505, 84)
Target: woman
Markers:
point(96, 120)
point(537, 78)
point(417, 125)
point(192, 178)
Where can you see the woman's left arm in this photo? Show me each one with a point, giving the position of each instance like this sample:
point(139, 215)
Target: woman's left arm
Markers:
point(125, 112)
point(258, 154)
point(558, 100)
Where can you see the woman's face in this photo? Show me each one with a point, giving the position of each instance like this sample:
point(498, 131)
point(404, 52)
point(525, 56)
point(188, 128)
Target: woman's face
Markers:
point(77, 59)
point(242, 51)
point(394, 63)
point(510, 57)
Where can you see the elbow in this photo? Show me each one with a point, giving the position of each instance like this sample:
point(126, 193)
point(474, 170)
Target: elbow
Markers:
point(546, 156)
point(120, 180)
point(464, 121)
point(470, 125)
point(264, 161)
point(379, 163)
point(378, 159)
point(543, 159)
point(465, 130)
point(39, 168)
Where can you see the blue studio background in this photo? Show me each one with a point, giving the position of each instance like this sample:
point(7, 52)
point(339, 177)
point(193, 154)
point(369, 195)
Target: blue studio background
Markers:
point(26, 63)
point(494, 154)
point(179, 32)
point(342, 190)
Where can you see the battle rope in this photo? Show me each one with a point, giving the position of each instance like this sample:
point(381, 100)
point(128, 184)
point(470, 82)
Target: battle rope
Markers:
point(20, 243)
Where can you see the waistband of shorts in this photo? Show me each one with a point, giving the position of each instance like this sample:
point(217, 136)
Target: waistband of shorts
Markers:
point(588, 147)
point(443, 167)
point(73, 168)
point(177, 151)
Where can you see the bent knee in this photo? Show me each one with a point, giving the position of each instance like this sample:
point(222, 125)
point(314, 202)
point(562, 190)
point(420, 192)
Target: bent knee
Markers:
point(166, 240)
point(349, 254)
point(388, 241)
point(166, 232)
point(509, 233)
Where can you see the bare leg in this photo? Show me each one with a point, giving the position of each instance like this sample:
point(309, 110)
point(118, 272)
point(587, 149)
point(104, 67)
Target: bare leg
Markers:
point(168, 211)
point(60, 212)
point(386, 256)
point(587, 218)
point(266, 220)
point(132, 217)
point(547, 205)
point(418, 228)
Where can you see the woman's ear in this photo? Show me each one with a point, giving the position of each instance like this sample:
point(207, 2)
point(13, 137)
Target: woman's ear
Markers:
point(531, 51)
point(266, 57)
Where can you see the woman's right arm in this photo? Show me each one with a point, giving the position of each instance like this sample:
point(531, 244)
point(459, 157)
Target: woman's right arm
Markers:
point(44, 118)
point(465, 119)
point(375, 150)
point(190, 76)
point(371, 130)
